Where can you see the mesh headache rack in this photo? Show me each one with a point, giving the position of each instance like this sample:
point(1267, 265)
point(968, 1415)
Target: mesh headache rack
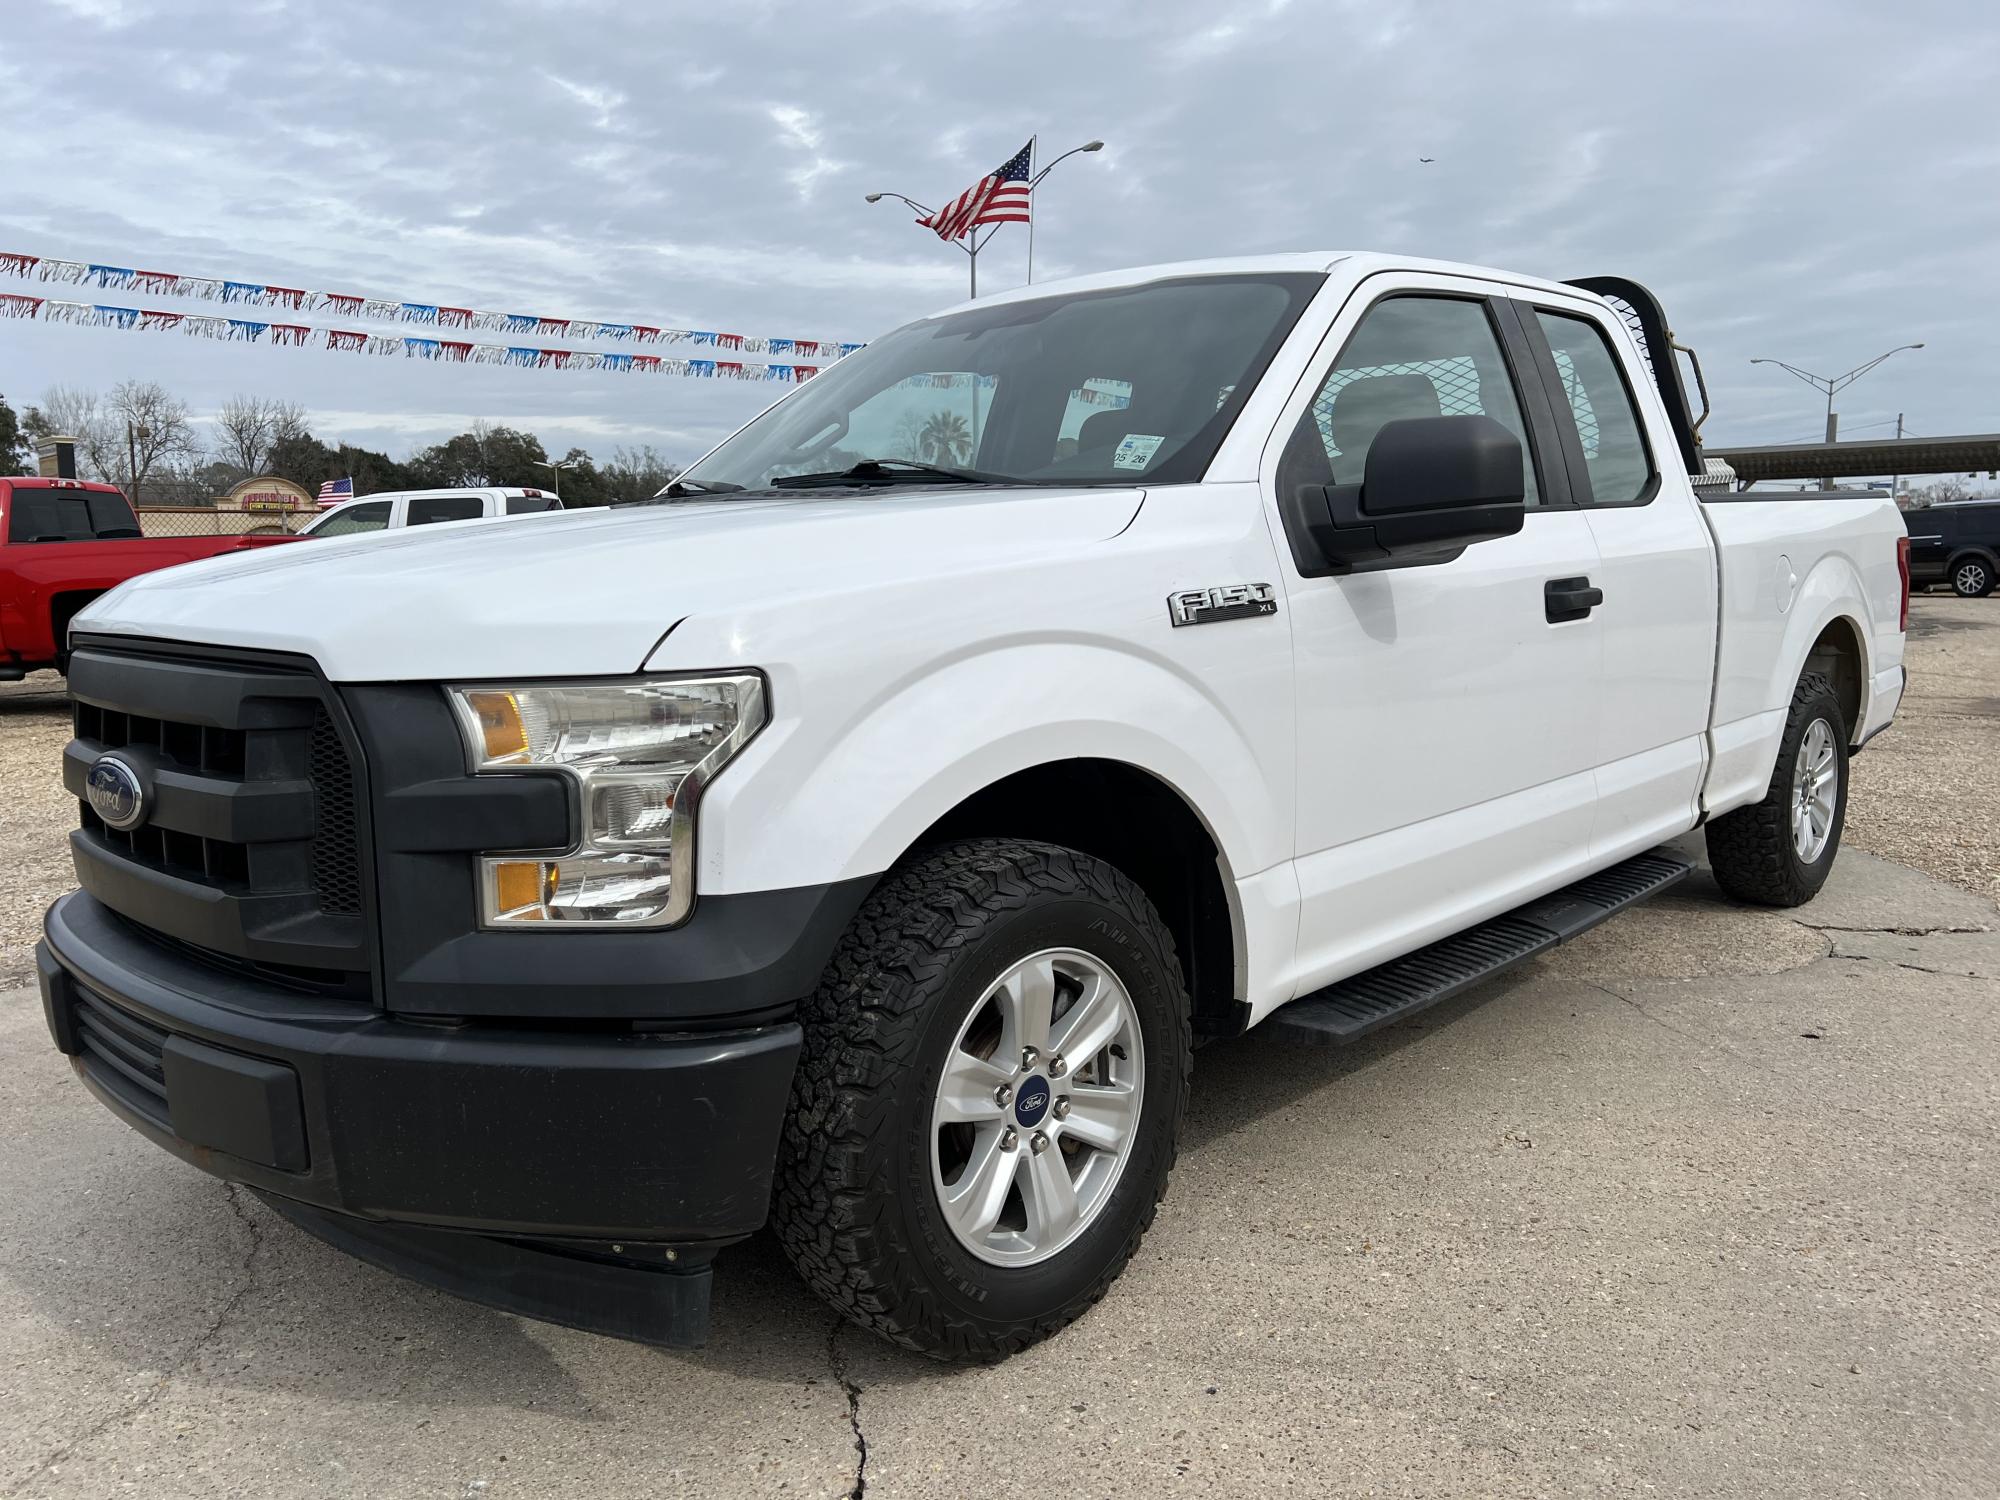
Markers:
point(1646, 321)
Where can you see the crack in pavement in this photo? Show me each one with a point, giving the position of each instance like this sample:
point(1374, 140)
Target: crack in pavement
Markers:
point(1687, 1036)
point(246, 1271)
point(853, 1392)
point(1889, 931)
point(1871, 958)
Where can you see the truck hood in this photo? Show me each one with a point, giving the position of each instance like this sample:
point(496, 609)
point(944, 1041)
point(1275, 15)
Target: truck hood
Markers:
point(586, 592)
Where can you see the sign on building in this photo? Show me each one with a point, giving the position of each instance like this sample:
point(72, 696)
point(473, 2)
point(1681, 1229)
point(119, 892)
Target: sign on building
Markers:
point(269, 492)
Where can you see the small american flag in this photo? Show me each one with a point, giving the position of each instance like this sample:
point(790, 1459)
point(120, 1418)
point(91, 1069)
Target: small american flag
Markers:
point(999, 198)
point(336, 489)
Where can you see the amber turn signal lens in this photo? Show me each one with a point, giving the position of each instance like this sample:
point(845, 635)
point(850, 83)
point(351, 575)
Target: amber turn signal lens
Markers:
point(521, 886)
point(500, 727)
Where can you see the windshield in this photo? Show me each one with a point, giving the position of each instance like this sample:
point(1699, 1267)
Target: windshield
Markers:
point(1132, 384)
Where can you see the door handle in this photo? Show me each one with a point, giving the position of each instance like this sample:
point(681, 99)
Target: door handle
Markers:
point(1569, 599)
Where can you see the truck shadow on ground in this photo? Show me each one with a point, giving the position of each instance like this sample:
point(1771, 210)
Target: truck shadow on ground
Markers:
point(35, 698)
point(303, 1316)
point(291, 1314)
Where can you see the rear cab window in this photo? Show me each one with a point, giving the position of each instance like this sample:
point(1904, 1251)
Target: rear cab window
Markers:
point(525, 505)
point(1100, 395)
point(65, 515)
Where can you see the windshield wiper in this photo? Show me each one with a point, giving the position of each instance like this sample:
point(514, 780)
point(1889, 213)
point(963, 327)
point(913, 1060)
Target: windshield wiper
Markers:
point(889, 471)
point(681, 488)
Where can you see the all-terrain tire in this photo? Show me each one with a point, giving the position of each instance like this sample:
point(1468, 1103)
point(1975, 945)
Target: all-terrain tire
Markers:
point(1752, 849)
point(855, 1205)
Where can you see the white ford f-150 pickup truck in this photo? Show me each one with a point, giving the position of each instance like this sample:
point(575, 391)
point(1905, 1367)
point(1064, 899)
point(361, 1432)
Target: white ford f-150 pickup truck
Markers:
point(861, 836)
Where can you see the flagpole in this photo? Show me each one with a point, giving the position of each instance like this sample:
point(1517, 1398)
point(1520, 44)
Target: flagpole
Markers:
point(1032, 179)
point(1035, 181)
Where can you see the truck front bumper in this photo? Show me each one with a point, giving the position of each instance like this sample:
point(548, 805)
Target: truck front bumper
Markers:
point(576, 1159)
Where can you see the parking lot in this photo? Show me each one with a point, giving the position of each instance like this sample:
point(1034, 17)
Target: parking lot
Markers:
point(1706, 1203)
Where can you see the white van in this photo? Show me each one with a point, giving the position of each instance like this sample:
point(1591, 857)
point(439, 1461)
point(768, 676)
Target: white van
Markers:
point(395, 508)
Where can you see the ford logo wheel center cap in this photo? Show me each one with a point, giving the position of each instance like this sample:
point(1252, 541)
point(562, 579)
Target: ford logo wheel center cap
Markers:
point(115, 793)
point(1032, 1102)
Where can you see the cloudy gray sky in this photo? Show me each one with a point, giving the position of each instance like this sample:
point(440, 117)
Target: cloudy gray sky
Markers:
point(1808, 179)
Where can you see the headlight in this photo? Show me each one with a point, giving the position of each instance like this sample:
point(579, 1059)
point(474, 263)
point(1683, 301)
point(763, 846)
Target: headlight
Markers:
point(638, 753)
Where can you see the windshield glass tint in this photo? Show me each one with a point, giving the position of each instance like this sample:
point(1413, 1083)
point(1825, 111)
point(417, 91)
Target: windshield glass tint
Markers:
point(1133, 385)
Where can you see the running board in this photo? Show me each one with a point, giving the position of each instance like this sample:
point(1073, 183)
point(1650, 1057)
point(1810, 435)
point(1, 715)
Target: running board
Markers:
point(1403, 986)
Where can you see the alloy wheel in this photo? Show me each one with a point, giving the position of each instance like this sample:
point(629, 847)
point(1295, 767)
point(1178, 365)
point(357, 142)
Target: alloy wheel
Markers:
point(1037, 1107)
point(1815, 791)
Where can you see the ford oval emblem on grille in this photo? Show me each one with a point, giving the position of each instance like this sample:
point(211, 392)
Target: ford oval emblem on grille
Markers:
point(115, 793)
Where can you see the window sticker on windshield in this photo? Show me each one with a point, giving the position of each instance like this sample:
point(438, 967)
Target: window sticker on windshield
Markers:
point(1136, 450)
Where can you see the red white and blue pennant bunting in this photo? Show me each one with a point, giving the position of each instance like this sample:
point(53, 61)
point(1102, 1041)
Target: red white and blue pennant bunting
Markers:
point(300, 335)
point(390, 310)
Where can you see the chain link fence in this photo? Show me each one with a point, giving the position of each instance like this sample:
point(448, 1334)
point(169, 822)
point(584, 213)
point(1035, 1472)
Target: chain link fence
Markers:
point(214, 520)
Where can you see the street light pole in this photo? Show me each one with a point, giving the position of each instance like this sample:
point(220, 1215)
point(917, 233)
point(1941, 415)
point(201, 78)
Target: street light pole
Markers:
point(1896, 480)
point(971, 244)
point(974, 242)
point(1832, 384)
point(1035, 182)
point(555, 472)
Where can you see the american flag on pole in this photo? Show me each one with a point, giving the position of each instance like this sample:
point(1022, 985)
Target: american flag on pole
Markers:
point(335, 490)
point(1001, 197)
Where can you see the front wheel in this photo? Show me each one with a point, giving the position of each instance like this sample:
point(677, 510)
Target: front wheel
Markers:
point(1971, 578)
point(989, 1099)
point(1778, 852)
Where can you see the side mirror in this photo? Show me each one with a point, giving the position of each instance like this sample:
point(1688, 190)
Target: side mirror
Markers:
point(1432, 486)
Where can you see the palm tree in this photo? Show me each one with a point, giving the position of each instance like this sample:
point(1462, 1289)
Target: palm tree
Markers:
point(945, 439)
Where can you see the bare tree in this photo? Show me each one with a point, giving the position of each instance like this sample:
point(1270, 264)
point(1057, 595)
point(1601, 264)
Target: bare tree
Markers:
point(149, 428)
point(288, 421)
point(245, 429)
point(1939, 492)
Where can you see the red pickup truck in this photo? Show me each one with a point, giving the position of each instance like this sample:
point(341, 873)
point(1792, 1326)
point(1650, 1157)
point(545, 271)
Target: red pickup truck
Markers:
point(62, 543)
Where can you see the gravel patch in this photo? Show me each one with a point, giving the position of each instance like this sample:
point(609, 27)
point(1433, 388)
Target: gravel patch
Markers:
point(1926, 792)
point(36, 815)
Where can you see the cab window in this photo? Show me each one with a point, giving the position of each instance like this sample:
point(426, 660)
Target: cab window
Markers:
point(373, 516)
point(1410, 357)
point(427, 509)
point(1600, 402)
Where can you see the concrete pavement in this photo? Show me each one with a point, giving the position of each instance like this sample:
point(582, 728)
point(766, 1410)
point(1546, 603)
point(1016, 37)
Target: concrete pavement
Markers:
point(1704, 1204)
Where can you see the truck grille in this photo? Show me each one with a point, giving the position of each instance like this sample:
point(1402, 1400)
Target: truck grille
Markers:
point(192, 747)
point(336, 846)
point(252, 845)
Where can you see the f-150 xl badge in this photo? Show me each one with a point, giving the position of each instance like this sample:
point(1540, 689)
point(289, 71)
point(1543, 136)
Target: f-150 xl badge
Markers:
point(1227, 601)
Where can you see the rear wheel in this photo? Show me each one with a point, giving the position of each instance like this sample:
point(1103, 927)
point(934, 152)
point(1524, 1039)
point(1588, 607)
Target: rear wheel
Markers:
point(1778, 852)
point(989, 1099)
point(1972, 578)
